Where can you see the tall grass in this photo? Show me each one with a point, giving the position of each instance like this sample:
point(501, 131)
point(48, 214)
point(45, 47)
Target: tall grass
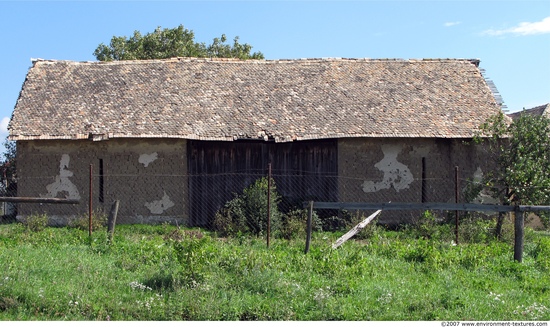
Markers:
point(163, 273)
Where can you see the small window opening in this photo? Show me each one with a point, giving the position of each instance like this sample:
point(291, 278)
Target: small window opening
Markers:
point(101, 184)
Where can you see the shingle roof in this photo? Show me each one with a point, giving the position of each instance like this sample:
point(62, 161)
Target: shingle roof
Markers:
point(536, 111)
point(221, 99)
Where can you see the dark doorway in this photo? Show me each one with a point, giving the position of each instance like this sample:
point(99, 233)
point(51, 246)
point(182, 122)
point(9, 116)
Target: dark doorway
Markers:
point(303, 170)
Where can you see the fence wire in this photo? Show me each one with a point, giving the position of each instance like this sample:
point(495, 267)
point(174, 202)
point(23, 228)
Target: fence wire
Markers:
point(231, 200)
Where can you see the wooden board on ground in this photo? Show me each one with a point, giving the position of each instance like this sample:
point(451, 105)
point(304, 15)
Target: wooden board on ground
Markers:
point(355, 229)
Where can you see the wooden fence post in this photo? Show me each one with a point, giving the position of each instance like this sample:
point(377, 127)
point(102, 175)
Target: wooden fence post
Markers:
point(518, 234)
point(90, 202)
point(309, 222)
point(268, 203)
point(111, 221)
point(456, 201)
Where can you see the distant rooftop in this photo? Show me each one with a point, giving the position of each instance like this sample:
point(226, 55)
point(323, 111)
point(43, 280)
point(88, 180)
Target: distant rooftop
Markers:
point(536, 111)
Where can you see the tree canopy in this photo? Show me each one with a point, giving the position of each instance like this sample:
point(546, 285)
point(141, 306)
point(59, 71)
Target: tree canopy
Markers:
point(170, 43)
point(522, 153)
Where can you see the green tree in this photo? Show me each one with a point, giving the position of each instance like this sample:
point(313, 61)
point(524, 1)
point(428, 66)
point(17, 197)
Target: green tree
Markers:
point(521, 150)
point(7, 163)
point(170, 43)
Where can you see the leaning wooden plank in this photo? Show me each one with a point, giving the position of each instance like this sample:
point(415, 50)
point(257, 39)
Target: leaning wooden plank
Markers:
point(355, 230)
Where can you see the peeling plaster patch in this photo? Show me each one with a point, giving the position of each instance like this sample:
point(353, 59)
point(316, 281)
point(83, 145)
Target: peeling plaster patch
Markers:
point(62, 182)
point(484, 196)
point(159, 206)
point(396, 174)
point(478, 175)
point(146, 159)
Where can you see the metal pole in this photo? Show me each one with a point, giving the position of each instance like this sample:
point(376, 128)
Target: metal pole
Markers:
point(90, 203)
point(456, 201)
point(268, 202)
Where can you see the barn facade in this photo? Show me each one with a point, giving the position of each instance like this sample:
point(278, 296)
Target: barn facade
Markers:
point(174, 139)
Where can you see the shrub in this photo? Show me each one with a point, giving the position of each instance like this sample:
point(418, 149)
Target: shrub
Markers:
point(36, 222)
point(99, 220)
point(476, 229)
point(247, 212)
point(429, 226)
point(343, 221)
point(294, 223)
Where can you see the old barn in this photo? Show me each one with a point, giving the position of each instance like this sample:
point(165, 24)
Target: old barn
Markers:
point(174, 139)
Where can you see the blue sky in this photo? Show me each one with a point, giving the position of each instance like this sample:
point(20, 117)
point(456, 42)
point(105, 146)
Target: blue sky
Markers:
point(511, 38)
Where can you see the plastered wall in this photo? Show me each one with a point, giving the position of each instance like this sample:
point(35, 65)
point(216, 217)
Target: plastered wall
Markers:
point(149, 177)
point(146, 176)
point(405, 170)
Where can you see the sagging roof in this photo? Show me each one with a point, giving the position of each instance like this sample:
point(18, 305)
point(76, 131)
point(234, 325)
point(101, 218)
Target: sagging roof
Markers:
point(225, 99)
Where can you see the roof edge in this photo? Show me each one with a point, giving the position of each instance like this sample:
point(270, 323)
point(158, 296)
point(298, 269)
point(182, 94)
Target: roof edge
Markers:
point(229, 60)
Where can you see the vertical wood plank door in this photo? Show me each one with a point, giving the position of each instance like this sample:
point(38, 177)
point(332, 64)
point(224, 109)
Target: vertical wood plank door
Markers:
point(302, 171)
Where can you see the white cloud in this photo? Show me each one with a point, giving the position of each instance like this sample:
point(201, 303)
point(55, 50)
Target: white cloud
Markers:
point(525, 28)
point(449, 24)
point(4, 125)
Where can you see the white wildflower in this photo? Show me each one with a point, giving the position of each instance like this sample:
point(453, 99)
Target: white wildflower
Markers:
point(534, 311)
point(495, 296)
point(139, 286)
point(322, 294)
point(385, 298)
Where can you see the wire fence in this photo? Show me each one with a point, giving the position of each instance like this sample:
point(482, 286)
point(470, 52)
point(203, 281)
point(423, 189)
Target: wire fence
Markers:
point(234, 200)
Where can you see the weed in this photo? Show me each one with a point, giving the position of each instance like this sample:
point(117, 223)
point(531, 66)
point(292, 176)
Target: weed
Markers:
point(541, 253)
point(36, 222)
point(99, 220)
point(294, 224)
point(192, 257)
point(430, 226)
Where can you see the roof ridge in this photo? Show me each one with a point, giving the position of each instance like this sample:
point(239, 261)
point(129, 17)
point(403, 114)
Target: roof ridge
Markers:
point(210, 59)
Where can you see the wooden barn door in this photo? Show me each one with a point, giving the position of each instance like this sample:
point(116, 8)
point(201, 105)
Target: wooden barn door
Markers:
point(219, 170)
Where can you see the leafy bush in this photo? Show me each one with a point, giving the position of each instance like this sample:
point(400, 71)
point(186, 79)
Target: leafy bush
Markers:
point(478, 229)
point(430, 226)
point(294, 224)
point(36, 222)
point(343, 221)
point(247, 212)
point(99, 220)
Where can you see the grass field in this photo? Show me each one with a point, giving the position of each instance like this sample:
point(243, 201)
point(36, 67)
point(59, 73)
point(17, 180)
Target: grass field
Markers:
point(163, 273)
